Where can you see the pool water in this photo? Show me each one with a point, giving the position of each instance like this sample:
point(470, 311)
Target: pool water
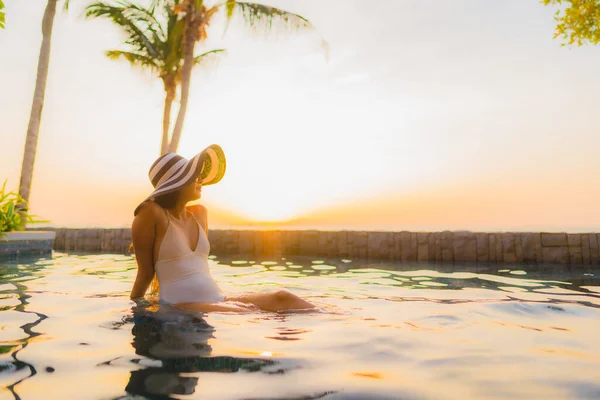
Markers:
point(384, 331)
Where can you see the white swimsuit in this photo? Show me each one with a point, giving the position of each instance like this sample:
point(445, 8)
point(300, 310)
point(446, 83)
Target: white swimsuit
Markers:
point(183, 274)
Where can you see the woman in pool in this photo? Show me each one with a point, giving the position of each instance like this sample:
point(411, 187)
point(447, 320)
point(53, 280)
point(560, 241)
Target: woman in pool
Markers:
point(170, 240)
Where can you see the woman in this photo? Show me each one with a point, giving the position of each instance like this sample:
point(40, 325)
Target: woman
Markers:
point(171, 245)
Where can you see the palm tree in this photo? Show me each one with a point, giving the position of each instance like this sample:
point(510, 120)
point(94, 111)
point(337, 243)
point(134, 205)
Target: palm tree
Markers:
point(154, 42)
point(33, 129)
point(197, 17)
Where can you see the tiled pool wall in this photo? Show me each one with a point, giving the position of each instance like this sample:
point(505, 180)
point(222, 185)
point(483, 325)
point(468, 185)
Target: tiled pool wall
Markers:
point(446, 246)
point(31, 243)
point(24, 247)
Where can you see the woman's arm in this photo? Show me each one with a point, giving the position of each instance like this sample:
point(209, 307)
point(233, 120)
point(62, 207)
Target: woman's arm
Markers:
point(143, 234)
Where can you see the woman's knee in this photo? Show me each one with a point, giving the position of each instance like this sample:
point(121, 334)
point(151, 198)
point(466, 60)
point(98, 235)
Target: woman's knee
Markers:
point(282, 295)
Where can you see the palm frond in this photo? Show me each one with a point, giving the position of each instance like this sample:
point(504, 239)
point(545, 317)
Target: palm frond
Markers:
point(129, 23)
point(146, 17)
point(208, 56)
point(135, 59)
point(172, 47)
point(266, 17)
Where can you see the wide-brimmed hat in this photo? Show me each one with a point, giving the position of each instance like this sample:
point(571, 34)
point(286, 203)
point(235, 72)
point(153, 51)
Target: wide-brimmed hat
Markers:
point(170, 172)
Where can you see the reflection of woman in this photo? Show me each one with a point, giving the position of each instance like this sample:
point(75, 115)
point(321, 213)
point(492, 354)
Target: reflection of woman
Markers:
point(180, 343)
point(171, 244)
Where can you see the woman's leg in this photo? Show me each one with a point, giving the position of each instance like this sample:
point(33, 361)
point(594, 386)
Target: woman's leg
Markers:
point(208, 307)
point(279, 300)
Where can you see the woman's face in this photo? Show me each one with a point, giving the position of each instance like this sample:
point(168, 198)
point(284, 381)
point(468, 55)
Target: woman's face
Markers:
point(193, 191)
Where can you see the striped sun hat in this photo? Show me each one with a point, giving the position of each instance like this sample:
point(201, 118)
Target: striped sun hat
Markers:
point(170, 172)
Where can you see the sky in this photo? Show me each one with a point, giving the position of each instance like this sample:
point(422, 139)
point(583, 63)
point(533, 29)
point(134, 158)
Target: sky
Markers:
point(458, 115)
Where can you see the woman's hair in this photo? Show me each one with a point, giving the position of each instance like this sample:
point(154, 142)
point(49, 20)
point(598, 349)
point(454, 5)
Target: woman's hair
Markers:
point(168, 200)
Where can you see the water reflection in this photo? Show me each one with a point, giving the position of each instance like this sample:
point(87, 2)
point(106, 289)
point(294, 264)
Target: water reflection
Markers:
point(465, 327)
point(578, 284)
point(18, 272)
point(179, 342)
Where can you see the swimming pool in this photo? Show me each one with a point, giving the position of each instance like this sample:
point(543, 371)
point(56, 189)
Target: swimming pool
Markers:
point(386, 331)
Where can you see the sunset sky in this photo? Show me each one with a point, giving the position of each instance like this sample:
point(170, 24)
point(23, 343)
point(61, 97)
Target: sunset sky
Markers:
point(461, 114)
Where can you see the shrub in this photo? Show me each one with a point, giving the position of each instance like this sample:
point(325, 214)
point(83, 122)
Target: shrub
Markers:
point(13, 218)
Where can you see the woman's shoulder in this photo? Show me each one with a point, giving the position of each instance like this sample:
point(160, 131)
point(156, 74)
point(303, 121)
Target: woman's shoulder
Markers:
point(198, 209)
point(200, 213)
point(149, 210)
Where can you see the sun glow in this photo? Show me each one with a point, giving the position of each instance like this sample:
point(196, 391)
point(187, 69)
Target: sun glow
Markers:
point(277, 174)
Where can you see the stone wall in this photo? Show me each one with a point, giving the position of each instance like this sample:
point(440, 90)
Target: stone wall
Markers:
point(446, 247)
point(92, 240)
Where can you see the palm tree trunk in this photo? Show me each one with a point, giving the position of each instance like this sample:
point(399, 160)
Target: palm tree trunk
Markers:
point(189, 43)
point(38, 102)
point(170, 96)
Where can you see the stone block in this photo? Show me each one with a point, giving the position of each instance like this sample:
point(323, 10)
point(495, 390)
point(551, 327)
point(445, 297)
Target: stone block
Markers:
point(465, 246)
point(447, 246)
point(432, 239)
point(575, 251)
point(358, 244)
point(122, 240)
point(259, 243)
point(438, 247)
point(70, 239)
point(575, 255)
point(413, 253)
point(531, 244)
point(483, 246)
point(556, 255)
point(309, 242)
point(59, 240)
point(492, 247)
point(397, 246)
point(247, 243)
point(90, 240)
point(404, 245)
point(342, 243)
point(499, 248)
point(272, 244)
point(215, 237)
point(230, 242)
point(509, 251)
point(379, 245)
point(107, 240)
point(328, 244)
point(518, 247)
point(574, 239)
point(290, 242)
point(594, 249)
point(422, 246)
point(585, 249)
point(554, 239)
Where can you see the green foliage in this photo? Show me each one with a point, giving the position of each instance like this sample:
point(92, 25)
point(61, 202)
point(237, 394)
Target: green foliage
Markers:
point(1, 14)
point(262, 15)
point(11, 217)
point(578, 21)
point(154, 35)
